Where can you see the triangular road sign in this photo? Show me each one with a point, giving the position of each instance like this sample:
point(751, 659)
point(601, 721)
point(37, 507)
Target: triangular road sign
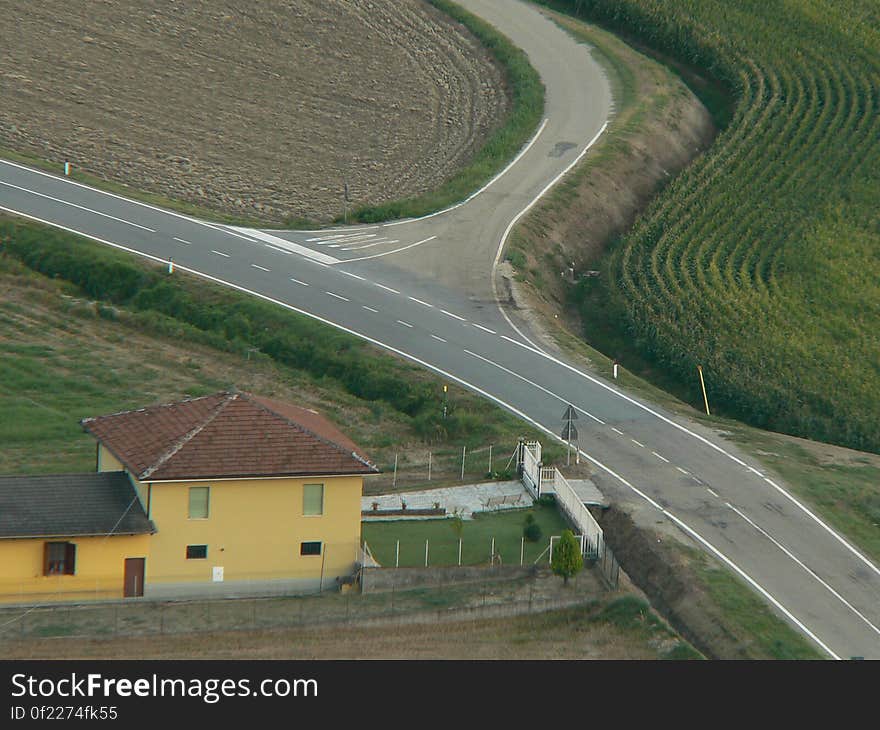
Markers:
point(569, 414)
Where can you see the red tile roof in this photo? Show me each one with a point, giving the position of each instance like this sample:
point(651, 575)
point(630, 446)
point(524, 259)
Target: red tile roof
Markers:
point(227, 435)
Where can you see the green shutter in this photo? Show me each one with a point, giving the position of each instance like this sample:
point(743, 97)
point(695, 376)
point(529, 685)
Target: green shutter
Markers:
point(198, 502)
point(313, 499)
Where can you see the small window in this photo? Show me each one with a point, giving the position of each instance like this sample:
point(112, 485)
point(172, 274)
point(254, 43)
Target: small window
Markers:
point(313, 499)
point(310, 548)
point(198, 502)
point(59, 558)
point(196, 552)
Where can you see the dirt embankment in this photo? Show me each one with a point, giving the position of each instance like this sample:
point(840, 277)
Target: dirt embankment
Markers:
point(659, 128)
point(672, 587)
point(253, 109)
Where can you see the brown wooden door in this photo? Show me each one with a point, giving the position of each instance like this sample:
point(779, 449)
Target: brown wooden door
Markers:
point(134, 577)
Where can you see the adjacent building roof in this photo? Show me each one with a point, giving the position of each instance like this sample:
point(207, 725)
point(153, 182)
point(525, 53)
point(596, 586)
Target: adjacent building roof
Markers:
point(69, 505)
point(227, 435)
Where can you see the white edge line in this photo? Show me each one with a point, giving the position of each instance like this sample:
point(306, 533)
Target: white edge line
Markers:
point(520, 215)
point(485, 187)
point(703, 440)
point(464, 383)
point(751, 581)
point(387, 253)
point(810, 571)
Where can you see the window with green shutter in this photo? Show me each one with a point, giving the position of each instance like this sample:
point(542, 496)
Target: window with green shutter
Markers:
point(313, 499)
point(198, 502)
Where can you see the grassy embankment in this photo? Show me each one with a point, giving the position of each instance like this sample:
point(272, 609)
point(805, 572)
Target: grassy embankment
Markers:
point(759, 261)
point(64, 360)
point(842, 485)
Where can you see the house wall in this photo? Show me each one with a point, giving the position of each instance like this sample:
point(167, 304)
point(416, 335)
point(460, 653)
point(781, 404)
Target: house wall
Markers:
point(100, 568)
point(253, 532)
point(108, 462)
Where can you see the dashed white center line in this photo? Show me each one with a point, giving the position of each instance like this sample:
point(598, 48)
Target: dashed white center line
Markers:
point(681, 470)
point(617, 430)
point(485, 329)
point(662, 458)
point(419, 301)
point(454, 316)
point(220, 253)
point(353, 276)
point(713, 493)
point(369, 309)
point(439, 339)
point(637, 443)
point(386, 288)
point(337, 296)
point(297, 281)
point(261, 268)
point(183, 241)
point(405, 324)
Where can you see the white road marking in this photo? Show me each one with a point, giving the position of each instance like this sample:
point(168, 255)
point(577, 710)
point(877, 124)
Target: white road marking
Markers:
point(805, 567)
point(303, 251)
point(340, 237)
point(297, 281)
point(439, 339)
point(637, 443)
point(337, 296)
point(370, 245)
point(386, 288)
point(220, 253)
point(261, 268)
point(475, 194)
point(183, 241)
point(450, 376)
point(280, 250)
point(662, 458)
point(353, 276)
point(405, 324)
point(454, 316)
point(396, 250)
point(751, 581)
point(369, 309)
point(419, 301)
point(515, 342)
point(712, 492)
point(682, 470)
point(80, 207)
point(485, 329)
point(520, 215)
point(616, 430)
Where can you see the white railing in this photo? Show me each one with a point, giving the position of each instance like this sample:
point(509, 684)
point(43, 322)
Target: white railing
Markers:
point(530, 458)
point(592, 542)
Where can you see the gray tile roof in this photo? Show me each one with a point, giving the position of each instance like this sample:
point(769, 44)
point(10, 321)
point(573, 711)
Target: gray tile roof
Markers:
point(69, 505)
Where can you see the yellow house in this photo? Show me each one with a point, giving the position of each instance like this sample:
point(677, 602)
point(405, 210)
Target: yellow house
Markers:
point(71, 537)
point(229, 494)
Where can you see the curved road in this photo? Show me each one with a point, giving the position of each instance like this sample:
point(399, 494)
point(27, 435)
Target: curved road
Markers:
point(423, 289)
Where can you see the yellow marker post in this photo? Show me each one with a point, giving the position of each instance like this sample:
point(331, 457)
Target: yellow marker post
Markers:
point(703, 385)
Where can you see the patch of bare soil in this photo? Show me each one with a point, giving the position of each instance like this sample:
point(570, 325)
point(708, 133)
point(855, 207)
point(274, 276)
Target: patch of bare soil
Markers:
point(257, 109)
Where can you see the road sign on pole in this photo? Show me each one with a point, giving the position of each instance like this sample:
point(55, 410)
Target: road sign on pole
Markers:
point(569, 432)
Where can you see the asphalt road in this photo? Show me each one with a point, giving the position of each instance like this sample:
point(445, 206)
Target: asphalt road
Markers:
point(425, 292)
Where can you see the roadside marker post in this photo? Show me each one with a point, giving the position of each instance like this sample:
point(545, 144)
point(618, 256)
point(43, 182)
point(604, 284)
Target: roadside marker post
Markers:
point(170, 266)
point(703, 385)
point(67, 168)
point(616, 365)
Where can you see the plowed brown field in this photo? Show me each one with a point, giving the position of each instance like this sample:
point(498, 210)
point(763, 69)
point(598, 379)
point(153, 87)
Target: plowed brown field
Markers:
point(258, 109)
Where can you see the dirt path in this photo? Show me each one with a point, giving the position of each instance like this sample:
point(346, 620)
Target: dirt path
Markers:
point(259, 109)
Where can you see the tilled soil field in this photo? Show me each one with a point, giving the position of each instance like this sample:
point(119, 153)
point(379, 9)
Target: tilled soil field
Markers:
point(255, 109)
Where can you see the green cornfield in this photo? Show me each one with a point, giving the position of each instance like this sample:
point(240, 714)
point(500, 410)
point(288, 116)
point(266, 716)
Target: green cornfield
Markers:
point(761, 261)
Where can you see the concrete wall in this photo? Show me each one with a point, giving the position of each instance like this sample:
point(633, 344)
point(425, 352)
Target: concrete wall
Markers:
point(374, 580)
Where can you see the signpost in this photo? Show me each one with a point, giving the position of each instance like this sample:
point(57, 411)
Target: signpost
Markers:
point(569, 434)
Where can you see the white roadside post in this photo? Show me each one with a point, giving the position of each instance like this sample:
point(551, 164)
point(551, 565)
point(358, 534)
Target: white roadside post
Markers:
point(463, 453)
point(522, 549)
point(67, 168)
point(615, 369)
point(170, 266)
point(397, 555)
point(429, 466)
point(394, 478)
point(459, 552)
point(426, 553)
